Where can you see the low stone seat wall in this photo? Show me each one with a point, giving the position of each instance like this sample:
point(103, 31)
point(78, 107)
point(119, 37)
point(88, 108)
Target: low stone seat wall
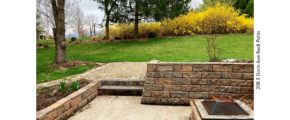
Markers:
point(178, 83)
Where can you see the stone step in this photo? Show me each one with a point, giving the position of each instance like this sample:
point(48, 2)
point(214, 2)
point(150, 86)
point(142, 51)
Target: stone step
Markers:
point(120, 90)
point(123, 82)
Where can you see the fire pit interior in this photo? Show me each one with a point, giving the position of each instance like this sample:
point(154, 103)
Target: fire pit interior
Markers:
point(220, 108)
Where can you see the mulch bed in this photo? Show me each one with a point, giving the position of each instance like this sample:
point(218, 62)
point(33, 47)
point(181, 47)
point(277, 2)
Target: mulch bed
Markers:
point(70, 64)
point(46, 99)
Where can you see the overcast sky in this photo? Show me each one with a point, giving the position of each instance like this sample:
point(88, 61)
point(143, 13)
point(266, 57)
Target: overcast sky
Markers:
point(91, 7)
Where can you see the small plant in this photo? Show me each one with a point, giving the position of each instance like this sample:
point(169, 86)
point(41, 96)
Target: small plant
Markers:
point(63, 87)
point(212, 48)
point(151, 35)
point(75, 85)
point(73, 39)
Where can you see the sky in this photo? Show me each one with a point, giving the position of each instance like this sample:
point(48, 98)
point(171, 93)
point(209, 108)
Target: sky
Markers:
point(90, 7)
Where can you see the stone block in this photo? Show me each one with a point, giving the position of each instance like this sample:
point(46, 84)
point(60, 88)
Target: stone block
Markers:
point(66, 105)
point(92, 96)
point(222, 68)
point(150, 100)
point(75, 101)
point(83, 103)
point(178, 94)
point(149, 80)
point(71, 111)
point(195, 81)
point(191, 88)
point(177, 68)
point(229, 89)
point(224, 82)
point(181, 81)
point(168, 74)
point(163, 81)
point(184, 101)
point(191, 75)
point(186, 68)
point(150, 74)
point(165, 68)
point(247, 90)
point(182, 68)
point(214, 81)
point(209, 88)
point(211, 75)
point(173, 101)
point(229, 75)
point(85, 94)
point(172, 87)
point(248, 76)
point(204, 81)
point(164, 101)
point(159, 74)
point(160, 94)
point(146, 93)
point(153, 87)
point(52, 114)
point(198, 95)
point(201, 68)
point(177, 74)
point(243, 68)
point(151, 68)
point(240, 83)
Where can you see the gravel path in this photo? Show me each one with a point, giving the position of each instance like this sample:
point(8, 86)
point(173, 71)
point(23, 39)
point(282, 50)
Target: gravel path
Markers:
point(129, 108)
point(116, 71)
point(109, 71)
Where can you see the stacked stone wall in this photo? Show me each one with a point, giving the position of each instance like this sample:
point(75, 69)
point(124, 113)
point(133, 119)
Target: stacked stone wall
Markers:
point(178, 83)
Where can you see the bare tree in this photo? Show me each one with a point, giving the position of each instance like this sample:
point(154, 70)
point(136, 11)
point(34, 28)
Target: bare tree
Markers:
point(91, 21)
point(44, 9)
point(78, 20)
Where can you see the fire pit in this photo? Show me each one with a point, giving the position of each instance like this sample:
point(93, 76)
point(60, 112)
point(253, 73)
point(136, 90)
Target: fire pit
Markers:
point(220, 108)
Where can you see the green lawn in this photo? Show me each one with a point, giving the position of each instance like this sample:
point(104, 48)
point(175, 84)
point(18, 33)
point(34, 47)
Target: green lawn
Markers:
point(175, 49)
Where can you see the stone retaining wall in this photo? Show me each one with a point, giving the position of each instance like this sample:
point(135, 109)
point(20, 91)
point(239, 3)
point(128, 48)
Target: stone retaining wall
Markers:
point(178, 83)
point(65, 107)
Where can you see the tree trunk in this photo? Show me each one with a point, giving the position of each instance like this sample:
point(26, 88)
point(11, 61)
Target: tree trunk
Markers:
point(107, 27)
point(59, 34)
point(136, 21)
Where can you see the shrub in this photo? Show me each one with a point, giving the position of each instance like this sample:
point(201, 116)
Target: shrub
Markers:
point(212, 48)
point(218, 19)
point(73, 39)
point(126, 30)
point(151, 35)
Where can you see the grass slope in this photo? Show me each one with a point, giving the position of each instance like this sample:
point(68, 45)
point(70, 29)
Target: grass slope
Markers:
point(175, 49)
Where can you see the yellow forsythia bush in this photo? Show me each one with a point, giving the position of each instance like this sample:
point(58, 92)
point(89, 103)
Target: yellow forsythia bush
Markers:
point(126, 30)
point(218, 19)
